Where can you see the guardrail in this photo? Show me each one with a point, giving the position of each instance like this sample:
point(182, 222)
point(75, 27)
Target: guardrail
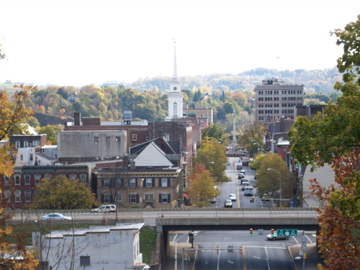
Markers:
point(159, 210)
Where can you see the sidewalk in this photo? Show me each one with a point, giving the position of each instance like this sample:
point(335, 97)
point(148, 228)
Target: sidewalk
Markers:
point(311, 261)
point(170, 264)
point(312, 257)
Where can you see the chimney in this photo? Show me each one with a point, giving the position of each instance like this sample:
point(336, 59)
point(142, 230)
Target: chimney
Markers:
point(77, 118)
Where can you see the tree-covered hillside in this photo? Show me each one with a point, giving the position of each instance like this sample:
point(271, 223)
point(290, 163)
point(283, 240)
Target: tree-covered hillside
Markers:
point(315, 81)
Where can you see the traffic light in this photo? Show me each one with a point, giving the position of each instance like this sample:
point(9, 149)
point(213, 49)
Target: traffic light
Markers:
point(272, 232)
point(251, 232)
point(241, 249)
point(217, 249)
point(185, 257)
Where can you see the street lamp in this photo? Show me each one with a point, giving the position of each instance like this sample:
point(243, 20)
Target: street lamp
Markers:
point(272, 169)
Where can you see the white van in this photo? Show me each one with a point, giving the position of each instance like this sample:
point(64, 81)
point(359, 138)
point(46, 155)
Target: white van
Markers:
point(249, 191)
point(105, 208)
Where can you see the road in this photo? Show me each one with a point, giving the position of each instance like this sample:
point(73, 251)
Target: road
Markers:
point(257, 251)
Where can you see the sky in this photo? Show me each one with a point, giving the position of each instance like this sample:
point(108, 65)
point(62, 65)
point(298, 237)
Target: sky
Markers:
point(78, 42)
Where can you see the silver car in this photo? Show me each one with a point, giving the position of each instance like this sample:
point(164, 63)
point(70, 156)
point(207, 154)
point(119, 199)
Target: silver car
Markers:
point(276, 237)
point(55, 216)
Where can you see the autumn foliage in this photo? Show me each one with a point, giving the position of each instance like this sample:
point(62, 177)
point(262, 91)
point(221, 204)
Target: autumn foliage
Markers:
point(13, 116)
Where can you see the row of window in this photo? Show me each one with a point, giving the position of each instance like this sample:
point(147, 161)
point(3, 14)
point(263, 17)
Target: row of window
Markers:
point(37, 178)
point(134, 182)
point(17, 194)
point(277, 92)
point(27, 144)
point(277, 105)
point(275, 111)
point(135, 198)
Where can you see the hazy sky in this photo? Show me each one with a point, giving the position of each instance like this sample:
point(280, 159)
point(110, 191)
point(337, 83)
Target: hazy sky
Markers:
point(76, 42)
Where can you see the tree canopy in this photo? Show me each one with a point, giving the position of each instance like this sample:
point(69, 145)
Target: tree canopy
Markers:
point(62, 193)
point(13, 115)
point(333, 138)
point(202, 186)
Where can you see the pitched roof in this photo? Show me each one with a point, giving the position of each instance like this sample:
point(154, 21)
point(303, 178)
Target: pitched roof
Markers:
point(152, 156)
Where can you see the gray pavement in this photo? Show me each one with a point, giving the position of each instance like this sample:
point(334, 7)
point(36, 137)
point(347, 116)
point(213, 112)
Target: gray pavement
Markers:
point(311, 261)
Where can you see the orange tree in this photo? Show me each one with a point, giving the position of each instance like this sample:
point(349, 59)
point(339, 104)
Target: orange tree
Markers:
point(201, 186)
point(334, 138)
point(13, 116)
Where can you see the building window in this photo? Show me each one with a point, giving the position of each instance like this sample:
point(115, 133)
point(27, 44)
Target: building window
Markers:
point(48, 176)
point(17, 196)
point(119, 182)
point(37, 178)
point(36, 143)
point(106, 198)
point(118, 197)
point(27, 194)
point(31, 157)
point(17, 179)
point(149, 197)
point(132, 182)
point(7, 194)
point(134, 137)
point(96, 139)
point(6, 180)
point(133, 198)
point(84, 260)
point(107, 139)
point(106, 182)
point(26, 144)
point(164, 198)
point(73, 176)
point(117, 139)
point(83, 177)
point(149, 182)
point(27, 179)
point(164, 182)
point(17, 144)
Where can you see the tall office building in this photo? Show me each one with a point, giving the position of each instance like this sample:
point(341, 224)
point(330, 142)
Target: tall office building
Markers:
point(275, 100)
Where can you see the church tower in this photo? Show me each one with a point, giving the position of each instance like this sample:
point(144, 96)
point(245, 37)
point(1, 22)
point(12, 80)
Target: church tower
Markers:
point(175, 104)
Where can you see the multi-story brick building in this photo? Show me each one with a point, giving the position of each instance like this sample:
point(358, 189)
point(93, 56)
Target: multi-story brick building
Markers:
point(19, 189)
point(276, 100)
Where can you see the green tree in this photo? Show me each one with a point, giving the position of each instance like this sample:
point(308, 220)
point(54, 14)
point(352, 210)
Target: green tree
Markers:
point(201, 186)
point(213, 131)
point(212, 155)
point(51, 132)
point(273, 178)
point(62, 193)
point(334, 138)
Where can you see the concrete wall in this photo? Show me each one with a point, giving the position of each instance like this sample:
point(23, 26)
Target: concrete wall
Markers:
point(97, 144)
point(114, 249)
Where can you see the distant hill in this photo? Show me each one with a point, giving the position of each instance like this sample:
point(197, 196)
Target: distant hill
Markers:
point(315, 81)
point(45, 119)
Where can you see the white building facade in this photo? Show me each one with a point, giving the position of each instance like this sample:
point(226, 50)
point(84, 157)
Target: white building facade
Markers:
point(175, 99)
point(96, 248)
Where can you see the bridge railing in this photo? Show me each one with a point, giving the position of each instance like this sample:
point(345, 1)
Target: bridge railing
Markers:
point(164, 210)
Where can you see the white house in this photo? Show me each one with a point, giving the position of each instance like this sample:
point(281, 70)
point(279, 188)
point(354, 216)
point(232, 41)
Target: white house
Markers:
point(95, 248)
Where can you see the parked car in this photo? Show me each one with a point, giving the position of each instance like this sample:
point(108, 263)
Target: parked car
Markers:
point(228, 203)
point(232, 197)
point(241, 175)
point(105, 208)
point(276, 237)
point(55, 216)
point(242, 171)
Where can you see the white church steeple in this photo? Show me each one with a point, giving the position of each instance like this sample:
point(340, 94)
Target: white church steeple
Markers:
point(175, 104)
